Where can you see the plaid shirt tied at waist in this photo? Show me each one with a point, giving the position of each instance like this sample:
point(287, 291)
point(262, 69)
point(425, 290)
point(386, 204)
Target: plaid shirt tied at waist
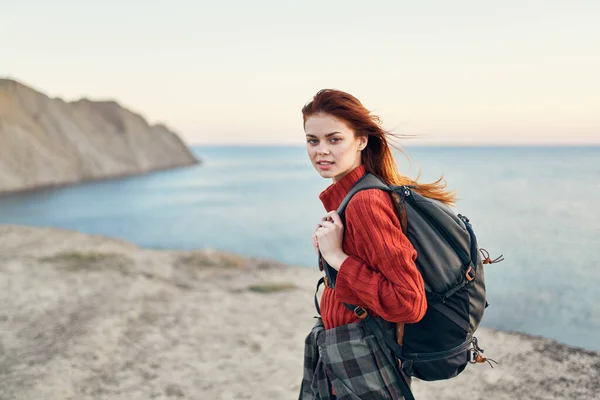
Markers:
point(350, 360)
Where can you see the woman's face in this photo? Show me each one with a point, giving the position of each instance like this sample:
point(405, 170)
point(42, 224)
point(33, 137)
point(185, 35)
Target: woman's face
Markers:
point(332, 146)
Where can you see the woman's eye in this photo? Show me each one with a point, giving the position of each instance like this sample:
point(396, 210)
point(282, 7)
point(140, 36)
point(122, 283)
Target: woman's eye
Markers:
point(311, 141)
point(335, 140)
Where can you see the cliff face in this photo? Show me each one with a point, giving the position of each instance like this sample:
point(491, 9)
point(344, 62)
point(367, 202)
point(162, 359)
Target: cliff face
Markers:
point(46, 141)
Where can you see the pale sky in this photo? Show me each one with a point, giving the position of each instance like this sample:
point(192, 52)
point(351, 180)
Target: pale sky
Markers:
point(456, 72)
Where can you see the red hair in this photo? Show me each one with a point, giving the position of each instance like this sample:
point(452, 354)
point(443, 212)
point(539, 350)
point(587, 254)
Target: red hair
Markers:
point(377, 156)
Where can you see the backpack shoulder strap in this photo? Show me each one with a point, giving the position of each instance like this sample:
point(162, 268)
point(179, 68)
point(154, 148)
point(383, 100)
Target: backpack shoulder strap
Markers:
point(368, 181)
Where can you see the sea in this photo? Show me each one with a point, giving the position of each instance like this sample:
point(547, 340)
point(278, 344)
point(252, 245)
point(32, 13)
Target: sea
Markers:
point(538, 207)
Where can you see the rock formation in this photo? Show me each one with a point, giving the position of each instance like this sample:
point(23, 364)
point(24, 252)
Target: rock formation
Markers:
point(47, 142)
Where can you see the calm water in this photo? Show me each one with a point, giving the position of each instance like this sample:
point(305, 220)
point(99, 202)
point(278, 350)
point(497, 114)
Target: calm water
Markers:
point(537, 206)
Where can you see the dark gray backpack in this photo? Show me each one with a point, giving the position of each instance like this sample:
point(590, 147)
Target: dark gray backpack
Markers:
point(441, 344)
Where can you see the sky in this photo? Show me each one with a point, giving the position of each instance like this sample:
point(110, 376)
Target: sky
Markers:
point(222, 72)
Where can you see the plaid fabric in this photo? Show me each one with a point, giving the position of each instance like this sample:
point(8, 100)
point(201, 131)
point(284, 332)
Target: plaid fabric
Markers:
point(349, 359)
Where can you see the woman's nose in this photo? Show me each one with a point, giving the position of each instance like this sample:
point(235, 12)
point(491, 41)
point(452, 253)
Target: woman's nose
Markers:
point(322, 150)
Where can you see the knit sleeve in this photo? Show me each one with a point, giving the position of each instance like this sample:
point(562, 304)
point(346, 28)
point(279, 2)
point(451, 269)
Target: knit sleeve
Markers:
point(382, 276)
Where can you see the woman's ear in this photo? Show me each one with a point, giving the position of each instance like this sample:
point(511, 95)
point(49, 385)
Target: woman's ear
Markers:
point(362, 142)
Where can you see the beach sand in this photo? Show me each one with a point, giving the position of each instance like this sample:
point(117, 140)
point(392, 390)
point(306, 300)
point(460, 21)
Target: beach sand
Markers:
point(89, 317)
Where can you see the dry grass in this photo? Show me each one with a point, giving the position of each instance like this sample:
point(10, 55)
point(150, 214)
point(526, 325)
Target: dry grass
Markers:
point(272, 287)
point(211, 260)
point(74, 261)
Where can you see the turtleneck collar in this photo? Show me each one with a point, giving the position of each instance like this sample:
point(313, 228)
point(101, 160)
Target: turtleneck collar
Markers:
point(334, 194)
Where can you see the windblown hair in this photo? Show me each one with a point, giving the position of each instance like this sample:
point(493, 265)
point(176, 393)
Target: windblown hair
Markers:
point(377, 157)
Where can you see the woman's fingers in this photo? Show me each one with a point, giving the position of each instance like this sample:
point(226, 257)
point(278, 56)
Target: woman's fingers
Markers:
point(335, 217)
point(327, 224)
point(332, 218)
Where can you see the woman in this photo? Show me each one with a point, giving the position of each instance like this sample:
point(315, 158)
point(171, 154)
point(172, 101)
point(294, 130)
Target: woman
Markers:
point(374, 260)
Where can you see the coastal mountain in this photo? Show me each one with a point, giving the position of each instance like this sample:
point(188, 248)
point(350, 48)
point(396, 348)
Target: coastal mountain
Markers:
point(48, 142)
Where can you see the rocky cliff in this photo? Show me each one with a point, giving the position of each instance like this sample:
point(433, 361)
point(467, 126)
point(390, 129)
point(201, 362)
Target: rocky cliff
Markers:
point(46, 142)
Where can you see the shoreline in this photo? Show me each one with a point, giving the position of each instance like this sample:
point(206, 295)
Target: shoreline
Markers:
point(270, 261)
point(92, 317)
point(38, 188)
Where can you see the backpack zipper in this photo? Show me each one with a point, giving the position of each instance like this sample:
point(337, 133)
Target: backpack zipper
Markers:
point(438, 355)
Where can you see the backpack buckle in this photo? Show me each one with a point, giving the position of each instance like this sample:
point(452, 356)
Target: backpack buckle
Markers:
point(360, 312)
point(470, 274)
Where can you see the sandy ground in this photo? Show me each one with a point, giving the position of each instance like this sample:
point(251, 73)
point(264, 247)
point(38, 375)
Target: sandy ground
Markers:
point(88, 317)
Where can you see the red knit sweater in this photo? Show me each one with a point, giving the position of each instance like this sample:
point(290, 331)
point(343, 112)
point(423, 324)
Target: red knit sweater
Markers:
point(380, 274)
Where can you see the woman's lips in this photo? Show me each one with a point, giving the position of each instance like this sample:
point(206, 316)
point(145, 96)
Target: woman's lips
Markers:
point(324, 165)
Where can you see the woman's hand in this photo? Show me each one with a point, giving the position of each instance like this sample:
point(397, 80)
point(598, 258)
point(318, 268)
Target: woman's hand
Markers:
point(315, 241)
point(328, 239)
